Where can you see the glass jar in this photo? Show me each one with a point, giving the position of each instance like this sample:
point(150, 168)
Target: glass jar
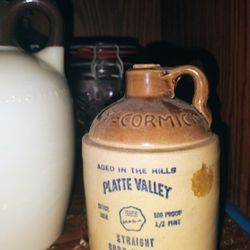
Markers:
point(96, 83)
point(95, 74)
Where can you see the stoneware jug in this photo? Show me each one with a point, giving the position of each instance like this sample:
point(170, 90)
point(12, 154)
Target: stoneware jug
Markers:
point(36, 131)
point(151, 167)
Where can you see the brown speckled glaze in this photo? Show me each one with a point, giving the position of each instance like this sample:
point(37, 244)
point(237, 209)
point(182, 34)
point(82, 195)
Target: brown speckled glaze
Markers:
point(150, 116)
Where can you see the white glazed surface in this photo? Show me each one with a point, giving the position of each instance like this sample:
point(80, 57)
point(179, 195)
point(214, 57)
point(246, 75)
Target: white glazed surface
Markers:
point(36, 148)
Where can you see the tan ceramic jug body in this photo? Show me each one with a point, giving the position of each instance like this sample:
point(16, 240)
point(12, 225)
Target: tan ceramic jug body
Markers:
point(151, 167)
point(36, 131)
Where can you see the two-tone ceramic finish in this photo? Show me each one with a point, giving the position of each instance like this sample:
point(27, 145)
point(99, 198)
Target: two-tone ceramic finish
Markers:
point(151, 167)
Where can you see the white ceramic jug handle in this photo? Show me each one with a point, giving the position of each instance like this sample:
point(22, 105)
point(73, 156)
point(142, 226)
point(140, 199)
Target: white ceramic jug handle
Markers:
point(53, 53)
point(201, 87)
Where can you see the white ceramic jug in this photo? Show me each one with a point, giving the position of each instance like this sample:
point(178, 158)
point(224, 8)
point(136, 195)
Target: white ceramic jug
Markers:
point(36, 135)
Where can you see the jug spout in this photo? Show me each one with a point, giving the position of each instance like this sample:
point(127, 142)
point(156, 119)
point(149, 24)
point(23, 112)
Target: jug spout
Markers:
point(53, 56)
point(140, 79)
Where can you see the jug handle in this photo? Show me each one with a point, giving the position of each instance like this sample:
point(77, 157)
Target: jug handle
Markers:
point(201, 87)
point(53, 53)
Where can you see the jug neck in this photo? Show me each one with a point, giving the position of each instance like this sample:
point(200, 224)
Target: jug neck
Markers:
point(147, 80)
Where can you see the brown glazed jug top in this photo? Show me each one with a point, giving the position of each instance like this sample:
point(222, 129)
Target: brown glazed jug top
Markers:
point(149, 117)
